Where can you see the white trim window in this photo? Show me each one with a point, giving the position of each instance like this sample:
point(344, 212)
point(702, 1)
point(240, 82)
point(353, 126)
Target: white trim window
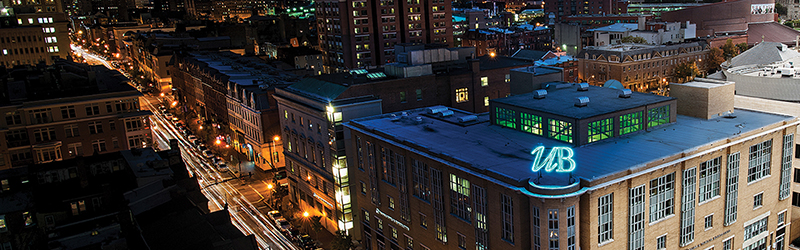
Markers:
point(709, 179)
point(636, 220)
point(786, 166)
point(732, 189)
point(662, 197)
point(759, 164)
point(605, 211)
point(687, 206)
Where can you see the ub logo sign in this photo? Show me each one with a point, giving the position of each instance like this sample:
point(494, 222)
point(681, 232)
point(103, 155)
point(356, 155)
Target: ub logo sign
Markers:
point(559, 159)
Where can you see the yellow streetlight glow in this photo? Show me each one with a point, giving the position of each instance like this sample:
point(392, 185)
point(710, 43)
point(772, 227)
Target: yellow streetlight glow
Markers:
point(305, 214)
point(276, 138)
point(217, 142)
point(269, 186)
point(174, 103)
point(162, 94)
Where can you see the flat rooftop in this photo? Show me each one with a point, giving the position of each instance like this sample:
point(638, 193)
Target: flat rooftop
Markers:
point(560, 100)
point(505, 154)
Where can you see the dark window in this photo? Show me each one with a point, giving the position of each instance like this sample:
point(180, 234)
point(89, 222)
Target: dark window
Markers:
point(795, 199)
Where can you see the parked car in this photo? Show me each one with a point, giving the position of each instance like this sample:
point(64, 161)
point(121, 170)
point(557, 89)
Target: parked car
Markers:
point(202, 148)
point(283, 224)
point(274, 215)
point(280, 175)
point(168, 115)
point(222, 167)
point(208, 154)
point(162, 108)
point(305, 241)
point(192, 138)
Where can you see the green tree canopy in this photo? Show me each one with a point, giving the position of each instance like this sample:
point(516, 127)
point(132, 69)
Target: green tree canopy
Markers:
point(634, 39)
point(715, 58)
point(685, 72)
point(742, 47)
point(729, 50)
point(341, 241)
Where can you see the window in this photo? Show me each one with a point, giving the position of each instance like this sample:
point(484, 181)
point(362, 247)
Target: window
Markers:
point(438, 207)
point(419, 94)
point(552, 228)
point(44, 134)
point(403, 96)
point(508, 217)
point(409, 242)
point(755, 228)
point(13, 118)
point(630, 123)
point(505, 117)
point(391, 202)
point(531, 123)
point(662, 195)
point(795, 199)
point(571, 228)
point(380, 223)
point(781, 218)
point(68, 112)
point(760, 155)
point(71, 130)
point(133, 125)
point(74, 149)
point(508, 77)
point(601, 129)
point(786, 166)
point(727, 244)
point(137, 141)
point(758, 200)
point(636, 220)
point(5, 185)
point(758, 245)
point(421, 180)
point(605, 211)
point(93, 109)
point(363, 188)
point(48, 154)
point(486, 101)
point(481, 231)
point(484, 81)
point(462, 95)
point(99, 145)
point(95, 127)
point(3, 226)
point(709, 179)
point(731, 189)
point(394, 233)
point(462, 241)
point(661, 242)
point(423, 220)
point(536, 228)
point(709, 221)
point(459, 197)
point(560, 130)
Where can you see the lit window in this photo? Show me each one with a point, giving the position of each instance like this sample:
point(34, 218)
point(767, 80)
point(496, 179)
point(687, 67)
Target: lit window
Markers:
point(3, 227)
point(560, 130)
point(630, 123)
point(606, 220)
point(485, 81)
point(462, 95)
point(505, 117)
point(602, 129)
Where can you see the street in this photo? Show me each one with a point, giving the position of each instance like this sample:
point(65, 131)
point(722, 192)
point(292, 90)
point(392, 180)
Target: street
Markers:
point(244, 198)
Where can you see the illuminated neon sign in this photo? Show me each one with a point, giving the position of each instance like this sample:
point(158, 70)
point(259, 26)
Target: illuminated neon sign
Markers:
point(559, 159)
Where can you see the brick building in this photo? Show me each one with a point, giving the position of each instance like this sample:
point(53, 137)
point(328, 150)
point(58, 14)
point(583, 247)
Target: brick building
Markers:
point(561, 9)
point(621, 173)
point(638, 67)
point(71, 110)
point(233, 95)
point(356, 34)
point(504, 41)
point(33, 32)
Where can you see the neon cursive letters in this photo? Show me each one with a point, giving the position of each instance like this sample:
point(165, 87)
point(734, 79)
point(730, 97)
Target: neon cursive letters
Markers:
point(559, 159)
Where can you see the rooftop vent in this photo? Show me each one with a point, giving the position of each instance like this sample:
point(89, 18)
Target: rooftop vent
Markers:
point(467, 118)
point(394, 118)
point(539, 94)
point(581, 101)
point(418, 119)
point(583, 86)
point(435, 110)
point(625, 93)
point(446, 113)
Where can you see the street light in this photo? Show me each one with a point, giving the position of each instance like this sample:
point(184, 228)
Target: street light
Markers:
point(305, 214)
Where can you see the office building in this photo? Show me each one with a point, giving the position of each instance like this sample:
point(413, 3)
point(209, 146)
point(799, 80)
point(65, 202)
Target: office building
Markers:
point(576, 167)
point(764, 71)
point(638, 67)
point(33, 32)
point(561, 9)
point(358, 34)
point(66, 110)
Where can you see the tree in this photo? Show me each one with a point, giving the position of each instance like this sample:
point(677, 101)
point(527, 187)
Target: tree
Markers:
point(780, 9)
point(634, 39)
point(342, 241)
point(742, 47)
point(729, 50)
point(685, 72)
point(715, 58)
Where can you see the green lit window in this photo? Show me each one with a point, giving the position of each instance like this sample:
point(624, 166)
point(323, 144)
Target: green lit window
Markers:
point(505, 117)
point(531, 124)
point(658, 116)
point(630, 123)
point(602, 129)
point(560, 130)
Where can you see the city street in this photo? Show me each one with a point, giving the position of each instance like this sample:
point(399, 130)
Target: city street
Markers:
point(245, 198)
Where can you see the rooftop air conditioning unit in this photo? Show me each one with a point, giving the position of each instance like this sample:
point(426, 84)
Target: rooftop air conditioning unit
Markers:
point(434, 110)
point(625, 93)
point(581, 101)
point(467, 118)
point(446, 113)
point(583, 86)
point(539, 94)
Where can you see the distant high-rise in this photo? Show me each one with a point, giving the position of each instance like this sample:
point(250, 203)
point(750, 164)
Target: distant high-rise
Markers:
point(359, 34)
point(562, 9)
point(32, 32)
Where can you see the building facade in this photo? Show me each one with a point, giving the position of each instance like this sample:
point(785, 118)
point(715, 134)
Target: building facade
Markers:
point(33, 32)
point(357, 34)
point(93, 111)
point(638, 67)
point(483, 181)
point(233, 95)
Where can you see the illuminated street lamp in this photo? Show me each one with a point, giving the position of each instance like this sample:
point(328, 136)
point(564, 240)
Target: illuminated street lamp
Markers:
point(305, 214)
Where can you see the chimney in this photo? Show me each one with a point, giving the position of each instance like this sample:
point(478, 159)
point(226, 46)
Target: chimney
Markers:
point(474, 64)
point(641, 23)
